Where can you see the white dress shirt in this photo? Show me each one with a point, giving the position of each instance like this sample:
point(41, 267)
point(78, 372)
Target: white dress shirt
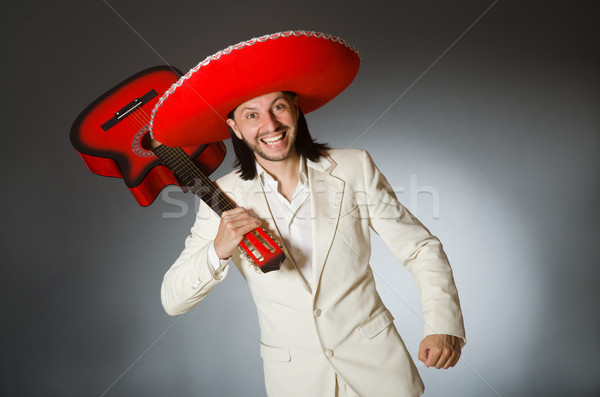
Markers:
point(292, 218)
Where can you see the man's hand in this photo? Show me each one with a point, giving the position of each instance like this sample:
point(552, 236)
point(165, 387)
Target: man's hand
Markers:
point(234, 225)
point(440, 351)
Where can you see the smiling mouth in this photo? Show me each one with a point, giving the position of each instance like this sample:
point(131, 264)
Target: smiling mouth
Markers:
point(273, 140)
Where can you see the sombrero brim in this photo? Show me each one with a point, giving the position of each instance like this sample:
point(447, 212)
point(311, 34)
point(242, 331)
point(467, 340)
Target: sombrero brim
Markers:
point(314, 65)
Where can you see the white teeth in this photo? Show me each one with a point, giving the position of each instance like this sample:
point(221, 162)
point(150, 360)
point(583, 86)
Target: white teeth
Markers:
point(273, 140)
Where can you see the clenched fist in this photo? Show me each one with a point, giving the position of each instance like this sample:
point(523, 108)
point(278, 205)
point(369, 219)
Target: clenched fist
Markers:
point(440, 351)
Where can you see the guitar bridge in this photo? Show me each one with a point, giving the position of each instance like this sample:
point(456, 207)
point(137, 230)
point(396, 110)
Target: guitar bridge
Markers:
point(127, 109)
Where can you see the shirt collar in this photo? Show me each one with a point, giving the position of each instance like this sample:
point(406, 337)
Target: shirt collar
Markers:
point(265, 177)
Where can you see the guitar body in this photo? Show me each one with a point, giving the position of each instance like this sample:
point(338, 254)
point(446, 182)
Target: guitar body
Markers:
point(108, 136)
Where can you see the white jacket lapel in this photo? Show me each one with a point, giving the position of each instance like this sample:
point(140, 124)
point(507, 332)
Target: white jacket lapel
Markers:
point(326, 192)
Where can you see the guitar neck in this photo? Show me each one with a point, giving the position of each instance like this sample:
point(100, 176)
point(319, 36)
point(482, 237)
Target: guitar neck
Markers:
point(188, 172)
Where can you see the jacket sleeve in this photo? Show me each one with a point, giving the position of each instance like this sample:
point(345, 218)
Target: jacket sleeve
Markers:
point(192, 276)
point(420, 252)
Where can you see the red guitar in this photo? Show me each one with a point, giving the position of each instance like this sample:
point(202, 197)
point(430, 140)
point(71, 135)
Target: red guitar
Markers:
point(111, 137)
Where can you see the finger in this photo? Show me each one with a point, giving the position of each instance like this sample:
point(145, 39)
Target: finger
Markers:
point(240, 226)
point(236, 215)
point(422, 355)
point(455, 359)
point(423, 352)
point(450, 362)
point(455, 350)
point(233, 212)
point(241, 218)
point(433, 356)
point(455, 346)
point(247, 228)
point(445, 357)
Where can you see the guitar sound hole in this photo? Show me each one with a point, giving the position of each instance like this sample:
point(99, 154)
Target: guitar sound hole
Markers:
point(139, 145)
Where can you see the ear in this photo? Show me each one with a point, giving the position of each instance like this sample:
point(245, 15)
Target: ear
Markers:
point(234, 127)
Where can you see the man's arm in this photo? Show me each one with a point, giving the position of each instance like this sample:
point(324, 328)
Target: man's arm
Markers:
point(422, 254)
point(204, 261)
point(192, 275)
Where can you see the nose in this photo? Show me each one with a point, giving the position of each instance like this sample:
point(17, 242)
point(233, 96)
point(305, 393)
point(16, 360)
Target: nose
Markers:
point(271, 123)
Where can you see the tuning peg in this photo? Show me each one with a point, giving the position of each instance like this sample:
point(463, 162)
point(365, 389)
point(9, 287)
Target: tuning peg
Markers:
point(275, 239)
point(249, 260)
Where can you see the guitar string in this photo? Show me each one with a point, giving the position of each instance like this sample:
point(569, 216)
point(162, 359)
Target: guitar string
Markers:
point(188, 171)
point(138, 122)
point(180, 156)
point(179, 165)
point(138, 115)
point(143, 123)
point(184, 164)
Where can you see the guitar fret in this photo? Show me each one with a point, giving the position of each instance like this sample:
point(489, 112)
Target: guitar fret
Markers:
point(183, 167)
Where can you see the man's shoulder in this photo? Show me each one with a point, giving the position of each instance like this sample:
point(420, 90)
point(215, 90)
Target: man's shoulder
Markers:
point(345, 158)
point(228, 181)
point(339, 153)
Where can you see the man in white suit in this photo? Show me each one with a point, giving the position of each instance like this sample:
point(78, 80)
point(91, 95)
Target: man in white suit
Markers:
point(324, 329)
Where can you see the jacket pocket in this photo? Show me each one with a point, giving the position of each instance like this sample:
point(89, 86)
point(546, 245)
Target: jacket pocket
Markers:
point(273, 353)
point(377, 324)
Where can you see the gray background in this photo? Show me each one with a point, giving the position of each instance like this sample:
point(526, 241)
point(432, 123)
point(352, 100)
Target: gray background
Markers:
point(495, 146)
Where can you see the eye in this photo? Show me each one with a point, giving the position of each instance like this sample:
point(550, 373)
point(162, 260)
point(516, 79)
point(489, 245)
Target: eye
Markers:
point(279, 106)
point(251, 116)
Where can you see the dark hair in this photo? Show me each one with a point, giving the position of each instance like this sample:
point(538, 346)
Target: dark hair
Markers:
point(305, 146)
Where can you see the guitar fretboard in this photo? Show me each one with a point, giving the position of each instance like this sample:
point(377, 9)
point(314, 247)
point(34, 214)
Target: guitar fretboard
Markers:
point(188, 172)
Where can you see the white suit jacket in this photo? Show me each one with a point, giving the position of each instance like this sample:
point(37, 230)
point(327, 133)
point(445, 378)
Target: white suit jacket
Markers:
point(340, 326)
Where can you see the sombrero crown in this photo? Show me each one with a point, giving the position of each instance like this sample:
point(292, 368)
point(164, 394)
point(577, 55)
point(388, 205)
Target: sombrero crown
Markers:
point(316, 66)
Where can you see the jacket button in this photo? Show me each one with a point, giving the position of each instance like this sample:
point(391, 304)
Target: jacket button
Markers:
point(329, 353)
point(317, 312)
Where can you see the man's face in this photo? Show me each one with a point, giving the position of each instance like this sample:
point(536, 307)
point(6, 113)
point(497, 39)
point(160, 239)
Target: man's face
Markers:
point(268, 124)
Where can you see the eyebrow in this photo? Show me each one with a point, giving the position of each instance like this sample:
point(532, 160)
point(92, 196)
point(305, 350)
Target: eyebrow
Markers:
point(254, 108)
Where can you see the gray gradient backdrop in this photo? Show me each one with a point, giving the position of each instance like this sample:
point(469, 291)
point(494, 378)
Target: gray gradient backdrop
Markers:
point(495, 147)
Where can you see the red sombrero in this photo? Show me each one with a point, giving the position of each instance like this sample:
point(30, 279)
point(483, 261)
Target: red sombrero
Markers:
point(193, 111)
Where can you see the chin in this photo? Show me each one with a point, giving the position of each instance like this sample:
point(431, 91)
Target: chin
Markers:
point(274, 157)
